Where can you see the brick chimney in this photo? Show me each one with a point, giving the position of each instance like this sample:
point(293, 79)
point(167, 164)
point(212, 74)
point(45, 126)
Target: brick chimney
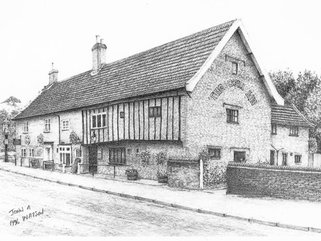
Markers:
point(53, 74)
point(99, 54)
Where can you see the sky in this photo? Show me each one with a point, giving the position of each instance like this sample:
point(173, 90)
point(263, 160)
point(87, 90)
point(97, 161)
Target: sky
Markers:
point(35, 33)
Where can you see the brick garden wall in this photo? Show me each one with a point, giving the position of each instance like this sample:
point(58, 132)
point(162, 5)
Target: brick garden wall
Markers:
point(274, 181)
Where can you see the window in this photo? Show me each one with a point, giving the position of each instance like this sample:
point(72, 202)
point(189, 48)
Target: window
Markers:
point(65, 125)
point(232, 116)
point(99, 120)
point(297, 159)
point(122, 114)
point(47, 125)
point(25, 127)
point(154, 111)
point(31, 152)
point(23, 152)
point(294, 131)
point(235, 67)
point(239, 156)
point(284, 159)
point(214, 153)
point(274, 129)
point(117, 156)
point(65, 155)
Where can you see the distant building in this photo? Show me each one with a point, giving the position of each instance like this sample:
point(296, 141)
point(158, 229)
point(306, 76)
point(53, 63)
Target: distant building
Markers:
point(205, 91)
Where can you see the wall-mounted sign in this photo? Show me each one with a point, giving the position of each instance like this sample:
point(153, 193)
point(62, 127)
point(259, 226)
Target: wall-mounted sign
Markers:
point(233, 83)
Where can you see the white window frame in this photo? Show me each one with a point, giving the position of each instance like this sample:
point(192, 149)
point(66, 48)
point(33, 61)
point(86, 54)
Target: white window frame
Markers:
point(31, 152)
point(25, 127)
point(63, 151)
point(96, 116)
point(47, 125)
point(65, 125)
point(23, 152)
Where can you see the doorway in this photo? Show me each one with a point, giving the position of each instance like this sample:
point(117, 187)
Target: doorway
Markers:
point(93, 159)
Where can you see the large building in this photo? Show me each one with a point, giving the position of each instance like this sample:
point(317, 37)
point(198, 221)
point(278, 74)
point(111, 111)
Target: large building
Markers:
point(206, 91)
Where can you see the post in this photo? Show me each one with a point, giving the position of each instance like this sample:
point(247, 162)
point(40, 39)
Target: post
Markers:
point(6, 147)
point(78, 168)
point(201, 174)
point(63, 168)
point(114, 171)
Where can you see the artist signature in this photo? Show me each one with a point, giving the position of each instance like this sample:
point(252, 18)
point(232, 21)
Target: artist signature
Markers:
point(23, 214)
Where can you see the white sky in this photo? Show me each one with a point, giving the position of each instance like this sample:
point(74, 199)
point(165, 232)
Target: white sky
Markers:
point(34, 33)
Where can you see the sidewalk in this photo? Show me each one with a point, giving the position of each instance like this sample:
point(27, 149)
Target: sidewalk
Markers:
point(269, 211)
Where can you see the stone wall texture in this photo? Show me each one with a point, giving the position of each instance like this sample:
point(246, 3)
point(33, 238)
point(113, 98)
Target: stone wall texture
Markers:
point(274, 181)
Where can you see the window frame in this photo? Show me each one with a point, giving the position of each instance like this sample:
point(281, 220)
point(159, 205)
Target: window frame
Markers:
point(235, 67)
point(274, 129)
point(294, 131)
point(31, 152)
point(23, 152)
point(235, 153)
point(216, 150)
point(113, 156)
point(65, 127)
point(102, 117)
point(154, 111)
point(47, 126)
point(230, 117)
point(300, 159)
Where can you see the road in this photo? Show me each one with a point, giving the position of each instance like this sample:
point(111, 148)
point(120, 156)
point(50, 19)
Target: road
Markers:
point(61, 210)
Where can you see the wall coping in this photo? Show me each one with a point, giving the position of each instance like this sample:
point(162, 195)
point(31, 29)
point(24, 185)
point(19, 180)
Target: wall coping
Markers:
point(184, 161)
point(275, 168)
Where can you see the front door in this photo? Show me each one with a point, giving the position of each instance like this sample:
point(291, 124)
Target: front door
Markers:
point(93, 159)
point(284, 159)
point(48, 153)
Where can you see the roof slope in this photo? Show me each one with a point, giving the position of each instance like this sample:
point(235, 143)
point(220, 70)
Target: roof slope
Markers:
point(163, 68)
point(288, 115)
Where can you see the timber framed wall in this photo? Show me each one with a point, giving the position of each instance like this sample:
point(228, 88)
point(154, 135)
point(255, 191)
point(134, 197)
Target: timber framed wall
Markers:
point(130, 121)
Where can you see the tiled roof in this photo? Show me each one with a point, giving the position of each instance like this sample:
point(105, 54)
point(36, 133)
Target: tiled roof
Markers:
point(163, 68)
point(288, 115)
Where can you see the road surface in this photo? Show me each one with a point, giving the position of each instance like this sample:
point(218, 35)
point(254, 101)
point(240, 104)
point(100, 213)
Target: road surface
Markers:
point(35, 207)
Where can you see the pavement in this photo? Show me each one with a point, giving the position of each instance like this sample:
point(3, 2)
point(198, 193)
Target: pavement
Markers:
point(292, 214)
